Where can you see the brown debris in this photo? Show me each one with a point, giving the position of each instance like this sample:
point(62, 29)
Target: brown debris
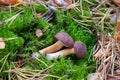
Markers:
point(9, 2)
point(37, 15)
point(113, 78)
point(101, 52)
point(117, 31)
point(59, 3)
point(117, 71)
point(108, 58)
point(117, 2)
point(94, 76)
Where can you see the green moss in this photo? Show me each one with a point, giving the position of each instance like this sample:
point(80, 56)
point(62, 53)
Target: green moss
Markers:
point(11, 45)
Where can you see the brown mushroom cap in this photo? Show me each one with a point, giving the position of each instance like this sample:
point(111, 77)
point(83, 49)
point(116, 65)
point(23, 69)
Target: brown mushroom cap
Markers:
point(65, 38)
point(80, 49)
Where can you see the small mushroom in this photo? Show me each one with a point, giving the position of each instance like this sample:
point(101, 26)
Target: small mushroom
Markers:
point(2, 43)
point(79, 50)
point(64, 39)
point(39, 33)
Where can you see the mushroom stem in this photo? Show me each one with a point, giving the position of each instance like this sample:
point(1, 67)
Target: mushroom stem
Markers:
point(55, 47)
point(58, 54)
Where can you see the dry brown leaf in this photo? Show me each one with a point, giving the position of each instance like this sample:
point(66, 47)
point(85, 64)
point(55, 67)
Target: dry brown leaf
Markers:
point(60, 3)
point(94, 76)
point(2, 43)
point(8, 2)
point(39, 33)
point(37, 15)
point(113, 78)
point(117, 71)
point(117, 2)
point(117, 31)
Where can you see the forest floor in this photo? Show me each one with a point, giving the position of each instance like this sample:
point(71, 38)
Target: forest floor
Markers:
point(85, 21)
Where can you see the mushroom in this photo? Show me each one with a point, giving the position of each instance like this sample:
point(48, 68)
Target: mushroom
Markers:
point(64, 39)
point(79, 49)
point(38, 33)
point(2, 43)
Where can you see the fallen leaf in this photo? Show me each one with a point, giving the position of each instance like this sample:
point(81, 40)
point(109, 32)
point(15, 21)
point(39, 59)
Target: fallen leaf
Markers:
point(117, 31)
point(2, 43)
point(117, 71)
point(116, 2)
point(8, 2)
point(113, 78)
point(37, 15)
point(113, 19)
point(94, 76)
point(39, 33)
point(60, 3)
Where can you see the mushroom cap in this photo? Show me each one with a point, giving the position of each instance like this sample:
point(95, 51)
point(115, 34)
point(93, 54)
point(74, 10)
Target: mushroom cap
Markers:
point(80, 49)
point(65, 38)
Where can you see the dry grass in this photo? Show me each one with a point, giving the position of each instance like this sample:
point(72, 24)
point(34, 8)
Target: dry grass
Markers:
point(25, 74)
point(108, 57)
point(107, 50)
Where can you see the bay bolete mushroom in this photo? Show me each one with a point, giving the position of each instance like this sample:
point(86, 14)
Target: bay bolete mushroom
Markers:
point(64, 39)
point(79, 49)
